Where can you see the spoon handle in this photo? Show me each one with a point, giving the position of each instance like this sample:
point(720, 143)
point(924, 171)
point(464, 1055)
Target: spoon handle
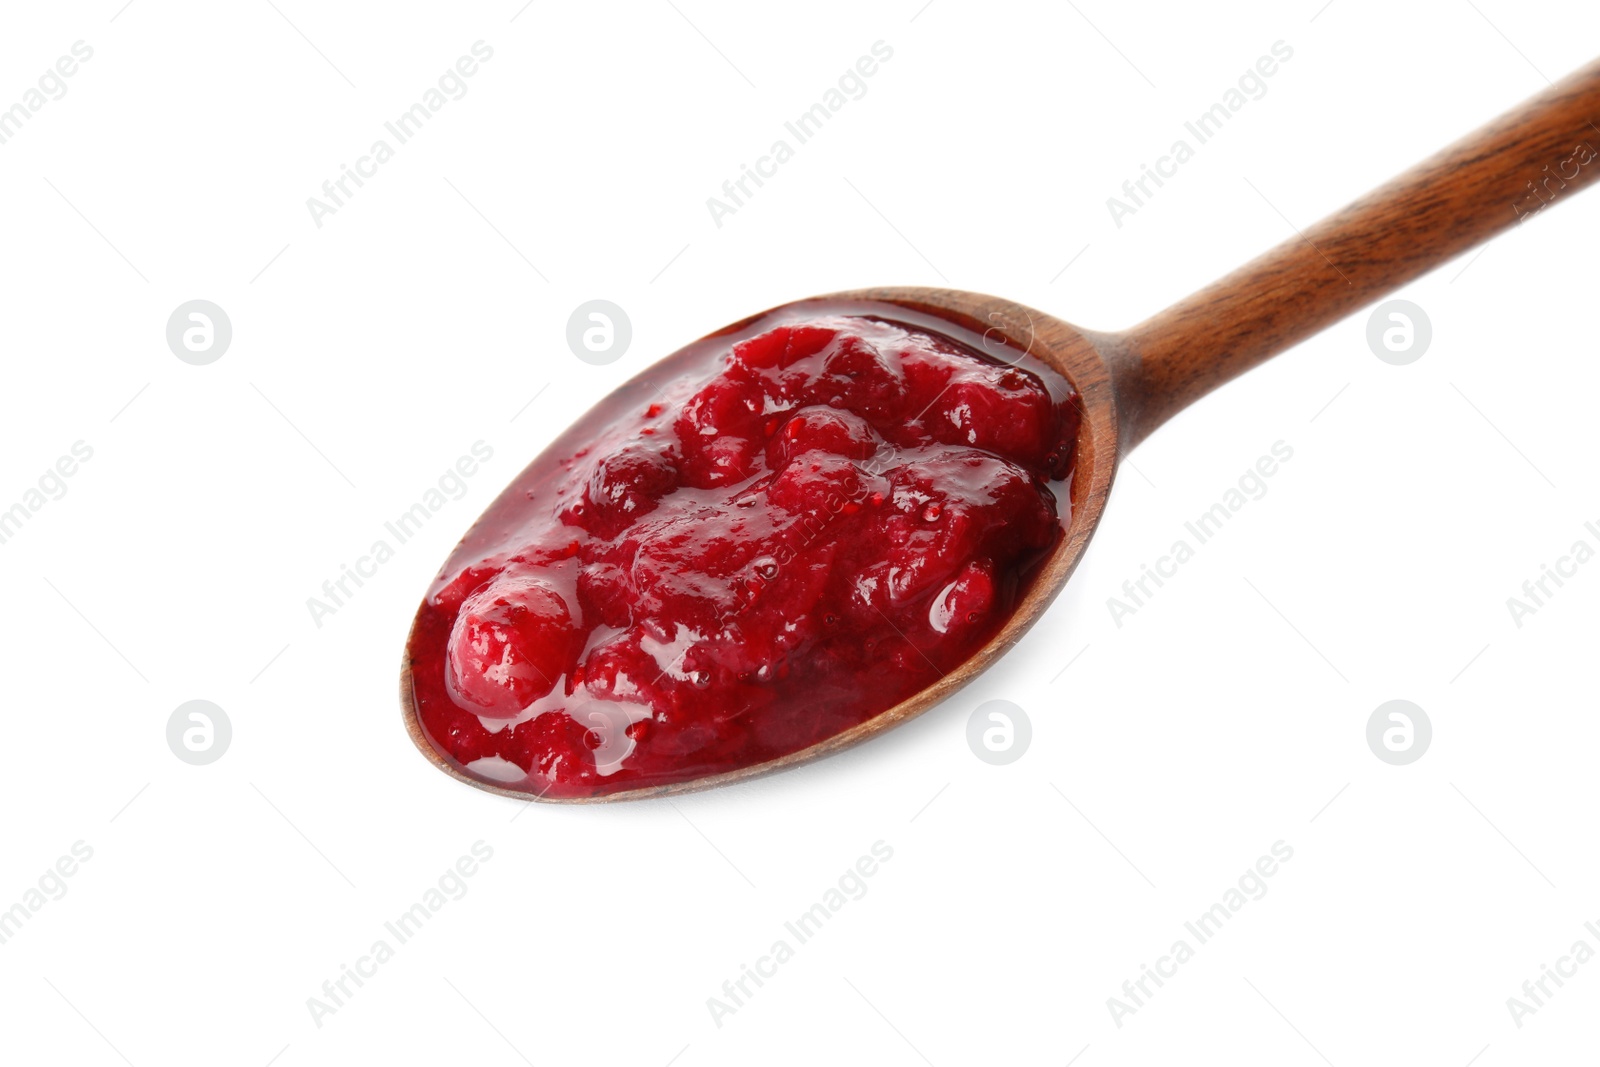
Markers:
point(1538, 154)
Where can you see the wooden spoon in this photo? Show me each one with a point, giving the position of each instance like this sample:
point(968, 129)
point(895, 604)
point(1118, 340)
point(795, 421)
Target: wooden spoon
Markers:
point(1540, 153)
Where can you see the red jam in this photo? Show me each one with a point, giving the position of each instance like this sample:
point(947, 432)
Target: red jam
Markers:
point(764, 540)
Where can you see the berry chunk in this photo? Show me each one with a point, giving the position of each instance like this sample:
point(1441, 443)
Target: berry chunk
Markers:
point(717, 431)
point(966, 601)
point(863, 377)
point(556, 747)
point(625, 486)
point(1000, 410)
point(822, 429)
point(816, 484)
point(779, 348)
point(511, 641)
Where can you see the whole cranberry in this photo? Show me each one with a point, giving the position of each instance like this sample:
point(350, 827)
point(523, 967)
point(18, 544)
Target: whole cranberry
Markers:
point(511, 641)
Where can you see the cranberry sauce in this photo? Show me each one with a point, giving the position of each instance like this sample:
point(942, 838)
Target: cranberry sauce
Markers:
point(764, 540)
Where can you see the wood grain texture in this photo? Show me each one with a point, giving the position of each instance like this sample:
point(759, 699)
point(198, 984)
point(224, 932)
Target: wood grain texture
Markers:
point(1482, 184)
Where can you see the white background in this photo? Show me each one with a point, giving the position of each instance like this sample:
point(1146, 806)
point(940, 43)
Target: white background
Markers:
point(368, 354)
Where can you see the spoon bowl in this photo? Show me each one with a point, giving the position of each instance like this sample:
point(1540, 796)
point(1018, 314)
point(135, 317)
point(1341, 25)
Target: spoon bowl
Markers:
point(1004, 330)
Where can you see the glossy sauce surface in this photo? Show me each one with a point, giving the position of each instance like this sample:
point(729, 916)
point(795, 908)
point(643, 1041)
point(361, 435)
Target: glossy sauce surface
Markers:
point(769, 537)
